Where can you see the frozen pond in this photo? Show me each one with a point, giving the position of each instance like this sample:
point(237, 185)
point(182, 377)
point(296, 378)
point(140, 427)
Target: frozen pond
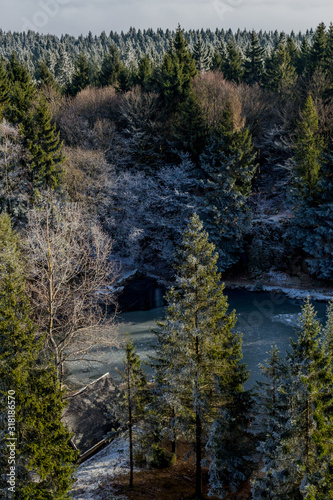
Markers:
point(263, 318)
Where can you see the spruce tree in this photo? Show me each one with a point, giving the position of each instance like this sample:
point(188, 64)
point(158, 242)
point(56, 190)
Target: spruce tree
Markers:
point(232, 67)
point(254, 64)
point(22, 92)
point(4, 87)
point(44, 456)
point(197, 350)
point(201, 56)
point(189, 130)
point(144, 73)
point(302, 451)
point(43, 142)
point(309, 147)
point(280, 73)
point(177, 70)
point(133, 397)
point(318, 48)
point(81, 76)
point(44, 76)
point(227, 166)
point(111, 66)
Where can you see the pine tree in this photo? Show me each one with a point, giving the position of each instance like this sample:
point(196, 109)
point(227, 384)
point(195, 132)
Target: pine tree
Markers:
point(4, 88)
point(111, 66)
point(45, 147)
point(232, 67)
point(22, 91)
point(63, 69)
point(272, 417)
point(197, 349)
point(144, 73)
point(309, 147)
point(44, 76)
point(318, 49)
point(254, 64)
point(43, 449)
point(81, 76)
point(227, 166)
point(189, 129)
point(303, 453)
point(280, 73)
point(133, 398)
point(177, 70)
point(201, 56)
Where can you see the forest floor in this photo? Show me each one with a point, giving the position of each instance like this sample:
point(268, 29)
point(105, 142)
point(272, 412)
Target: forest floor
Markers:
point(106, 476)
point(176, 482)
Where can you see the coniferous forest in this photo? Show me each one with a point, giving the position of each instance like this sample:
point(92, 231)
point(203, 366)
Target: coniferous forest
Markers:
point(192, 157)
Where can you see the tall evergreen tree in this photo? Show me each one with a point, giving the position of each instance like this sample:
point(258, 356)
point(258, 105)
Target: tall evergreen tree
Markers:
point(302, 465)
point(232, 67)
point(177, 70)
point(189, 130)
point(201, 56)
point(4, 87)
point(144, 73)
point(309, 148)
point(254, 64)
point(44, 76)
point(196, 342)
point(280, 73)
point(22, 91)
point(318, 48)
point(111, 66)
point(44, 456)
point(133, 398)
point(45, 147)
point(227, 166)
point(81, 76)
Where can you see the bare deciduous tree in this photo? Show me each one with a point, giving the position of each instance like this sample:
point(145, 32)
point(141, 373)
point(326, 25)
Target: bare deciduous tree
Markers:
point(71, 278)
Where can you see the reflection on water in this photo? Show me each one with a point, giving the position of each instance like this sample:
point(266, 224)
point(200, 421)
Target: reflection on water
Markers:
point(263, 318)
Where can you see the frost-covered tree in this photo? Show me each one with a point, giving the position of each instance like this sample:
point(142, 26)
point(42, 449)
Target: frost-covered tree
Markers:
point(202, 56)
point(196, 344)
point(70, 274)
point(227, 167)
point(64, 68)
point(148, 214)
point(300, 462)
point(280, 73)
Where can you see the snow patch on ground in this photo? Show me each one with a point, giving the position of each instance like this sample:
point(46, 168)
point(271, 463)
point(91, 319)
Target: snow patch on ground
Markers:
point(102, 468)
point(295, 293)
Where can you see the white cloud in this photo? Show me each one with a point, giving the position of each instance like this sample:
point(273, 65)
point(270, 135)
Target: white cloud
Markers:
point(80, 16)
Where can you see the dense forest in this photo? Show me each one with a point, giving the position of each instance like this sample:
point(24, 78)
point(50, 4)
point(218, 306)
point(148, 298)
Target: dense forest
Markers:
point(183, 155)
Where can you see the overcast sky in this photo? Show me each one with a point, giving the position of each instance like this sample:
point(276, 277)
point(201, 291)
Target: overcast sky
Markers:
point(81, 16)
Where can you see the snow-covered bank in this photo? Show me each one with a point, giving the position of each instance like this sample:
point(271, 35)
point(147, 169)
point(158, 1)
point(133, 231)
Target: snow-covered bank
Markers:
point(94, 476)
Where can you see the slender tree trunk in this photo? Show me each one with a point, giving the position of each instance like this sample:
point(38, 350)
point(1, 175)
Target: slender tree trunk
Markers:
point(174, 435)
point(51, 339)
point(130, 420)
point(198, 480)
point(198, 425)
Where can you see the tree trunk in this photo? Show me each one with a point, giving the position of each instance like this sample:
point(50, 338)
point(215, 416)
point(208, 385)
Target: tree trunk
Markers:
point(130, 422)
point(198, 481)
